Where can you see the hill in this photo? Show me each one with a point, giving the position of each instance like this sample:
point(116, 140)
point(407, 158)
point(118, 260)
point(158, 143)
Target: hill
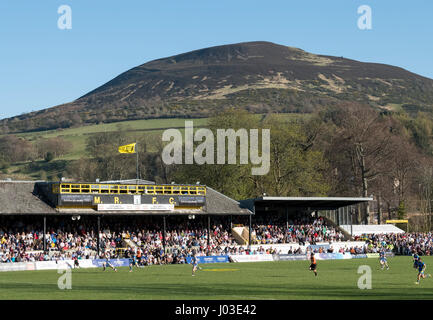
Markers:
point(257, 76)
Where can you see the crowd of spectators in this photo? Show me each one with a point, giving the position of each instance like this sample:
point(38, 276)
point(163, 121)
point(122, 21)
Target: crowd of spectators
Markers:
point(399, 243)
point(23, 241)
point(301, 230)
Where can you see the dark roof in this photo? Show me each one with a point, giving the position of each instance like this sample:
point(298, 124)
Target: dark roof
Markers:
point(217, 203)
point(21, 198)
point(314, 203)
point(18, 197)
point(129, 181)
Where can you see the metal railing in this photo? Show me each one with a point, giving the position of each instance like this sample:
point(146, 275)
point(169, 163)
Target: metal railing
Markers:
point(86, 188)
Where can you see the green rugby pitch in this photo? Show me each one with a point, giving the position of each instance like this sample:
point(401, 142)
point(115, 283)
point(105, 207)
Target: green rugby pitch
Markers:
point(280, 280)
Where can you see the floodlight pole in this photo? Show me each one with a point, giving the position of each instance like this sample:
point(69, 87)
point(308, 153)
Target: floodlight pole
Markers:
point(249, 231)
point(97, 236)
point(163, 232)
point(136, 151)
point(208, 231)
point(45, 232)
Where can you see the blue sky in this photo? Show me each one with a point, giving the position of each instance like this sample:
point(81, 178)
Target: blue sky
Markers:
point(42, 66)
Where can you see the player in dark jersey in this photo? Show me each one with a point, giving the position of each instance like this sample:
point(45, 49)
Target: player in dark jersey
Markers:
point(313, 265)
point(415, 259)
point(421, 271)
point(76, 263)
point(133, 262)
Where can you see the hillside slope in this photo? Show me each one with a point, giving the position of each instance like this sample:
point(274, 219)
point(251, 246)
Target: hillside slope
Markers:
point(257, 76)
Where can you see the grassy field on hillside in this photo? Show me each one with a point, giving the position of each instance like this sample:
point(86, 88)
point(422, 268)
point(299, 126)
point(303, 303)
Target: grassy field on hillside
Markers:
point(337, 279)
point(132, 126)
point(152, 129)
point(78, 136)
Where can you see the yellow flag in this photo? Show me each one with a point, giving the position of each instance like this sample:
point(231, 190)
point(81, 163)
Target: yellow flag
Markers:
point(129, 148)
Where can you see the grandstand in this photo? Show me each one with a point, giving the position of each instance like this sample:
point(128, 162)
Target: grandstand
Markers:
point(119, 199)
point(45, 221)
point(287, 207)
point(145, 203)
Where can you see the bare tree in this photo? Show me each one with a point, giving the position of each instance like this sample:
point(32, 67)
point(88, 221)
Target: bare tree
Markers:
point(364, 139)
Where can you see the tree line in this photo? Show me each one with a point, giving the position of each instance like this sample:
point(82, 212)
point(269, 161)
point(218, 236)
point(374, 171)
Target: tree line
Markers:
point(14, 149)
point(336, 151)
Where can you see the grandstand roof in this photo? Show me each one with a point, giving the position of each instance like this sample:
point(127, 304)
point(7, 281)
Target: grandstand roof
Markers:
point(19, 197)
point(313, 203)
point(217, 203)
point(130, 181)
point(358, 230)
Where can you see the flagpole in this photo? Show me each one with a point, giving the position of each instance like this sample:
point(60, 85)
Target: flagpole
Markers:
point(136, 151)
